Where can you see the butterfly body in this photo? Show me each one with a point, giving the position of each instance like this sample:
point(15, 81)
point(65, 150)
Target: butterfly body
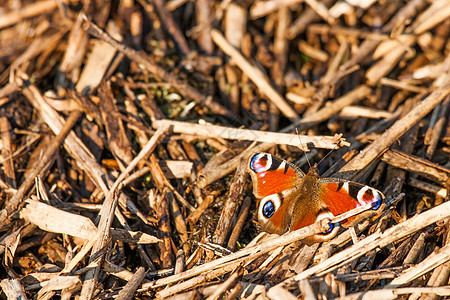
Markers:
point(291, 199)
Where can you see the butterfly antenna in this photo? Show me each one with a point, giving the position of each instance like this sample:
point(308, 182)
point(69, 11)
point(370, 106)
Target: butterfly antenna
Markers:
point(336, 146)
point(301, 144)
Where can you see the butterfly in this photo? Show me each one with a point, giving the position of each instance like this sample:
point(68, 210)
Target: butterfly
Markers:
point(290, 199)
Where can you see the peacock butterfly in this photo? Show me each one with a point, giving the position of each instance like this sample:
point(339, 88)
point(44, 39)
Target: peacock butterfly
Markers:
point(290, 199)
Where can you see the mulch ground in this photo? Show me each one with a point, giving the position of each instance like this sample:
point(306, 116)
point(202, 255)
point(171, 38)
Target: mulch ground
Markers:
point(127, 128)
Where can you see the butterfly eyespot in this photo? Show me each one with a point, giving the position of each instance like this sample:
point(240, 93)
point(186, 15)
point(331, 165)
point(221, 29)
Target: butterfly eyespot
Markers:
point(268, 209)
point(332, 230)
point(377, 203)
point(260, 162)
point(368, 195)
point(329, 229)
point(268, 206)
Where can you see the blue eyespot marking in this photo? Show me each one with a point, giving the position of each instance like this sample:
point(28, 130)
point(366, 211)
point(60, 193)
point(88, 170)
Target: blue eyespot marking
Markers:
point(329, 229)
point(377, 203)
point(268, 209)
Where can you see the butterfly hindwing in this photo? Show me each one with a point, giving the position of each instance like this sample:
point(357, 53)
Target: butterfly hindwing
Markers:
point(274, 213)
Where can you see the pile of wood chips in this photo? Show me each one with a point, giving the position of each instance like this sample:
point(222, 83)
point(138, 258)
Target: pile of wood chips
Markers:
point(126, 128)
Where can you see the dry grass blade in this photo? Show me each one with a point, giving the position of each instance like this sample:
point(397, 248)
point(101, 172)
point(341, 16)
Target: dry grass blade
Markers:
point(212, 131)
point(44, 217)
point(13, 289)
point(130, 288)
point(255, 75)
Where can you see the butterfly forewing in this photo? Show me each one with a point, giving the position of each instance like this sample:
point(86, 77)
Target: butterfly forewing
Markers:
point(271, 175)
point(342, 196)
